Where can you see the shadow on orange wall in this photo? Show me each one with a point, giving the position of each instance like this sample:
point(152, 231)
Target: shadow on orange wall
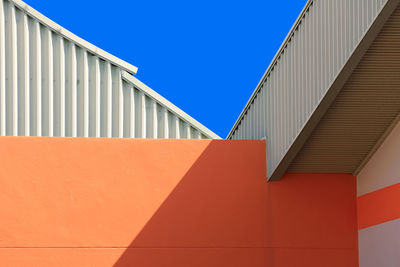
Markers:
point(215, 216)
point(99, 202)
point(224, 213)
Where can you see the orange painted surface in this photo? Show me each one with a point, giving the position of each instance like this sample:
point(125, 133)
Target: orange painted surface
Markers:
point(380, 206)
point(193, 257)
point(124, 202)
point(315, 210)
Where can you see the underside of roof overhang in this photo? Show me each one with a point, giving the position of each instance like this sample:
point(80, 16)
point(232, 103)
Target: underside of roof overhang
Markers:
point(351, 125)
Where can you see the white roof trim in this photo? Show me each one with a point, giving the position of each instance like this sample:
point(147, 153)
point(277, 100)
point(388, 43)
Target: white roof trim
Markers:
point(72, 37)
point(171, 107)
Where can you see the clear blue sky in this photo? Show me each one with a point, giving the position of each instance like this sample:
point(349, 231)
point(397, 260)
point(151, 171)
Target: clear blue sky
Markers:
point(206, 56)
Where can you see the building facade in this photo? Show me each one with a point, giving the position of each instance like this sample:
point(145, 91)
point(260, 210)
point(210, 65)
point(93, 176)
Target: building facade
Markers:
point(308, 175)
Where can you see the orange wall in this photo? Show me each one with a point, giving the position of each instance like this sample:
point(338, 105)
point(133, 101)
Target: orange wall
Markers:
point(127, 202)
point(379, 206)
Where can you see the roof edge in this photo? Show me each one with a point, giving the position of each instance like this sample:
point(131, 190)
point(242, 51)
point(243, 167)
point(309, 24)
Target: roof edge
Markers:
point(74, 38)
point(272, 64)
point(335, 88)
point(167, 104)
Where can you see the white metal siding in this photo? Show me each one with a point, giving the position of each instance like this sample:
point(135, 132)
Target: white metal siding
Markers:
point(317, 47)
point(51, 85)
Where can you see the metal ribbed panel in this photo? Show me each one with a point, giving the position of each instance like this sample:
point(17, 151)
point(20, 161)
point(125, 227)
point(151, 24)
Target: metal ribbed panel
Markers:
point(51, 85)
point(367, 105)
point(316, 49)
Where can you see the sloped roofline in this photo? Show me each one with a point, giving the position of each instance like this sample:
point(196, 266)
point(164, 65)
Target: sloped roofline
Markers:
point(271, 65)
point(74, 38)
point(335, 88)
point(167, 104)
point(127, 70)
point(286, 153)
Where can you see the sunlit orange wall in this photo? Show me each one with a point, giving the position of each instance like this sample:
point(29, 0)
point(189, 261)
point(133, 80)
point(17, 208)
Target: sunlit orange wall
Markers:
point(124, 202)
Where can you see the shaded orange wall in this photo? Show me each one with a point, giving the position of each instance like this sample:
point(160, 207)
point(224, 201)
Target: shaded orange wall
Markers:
point(127, 202)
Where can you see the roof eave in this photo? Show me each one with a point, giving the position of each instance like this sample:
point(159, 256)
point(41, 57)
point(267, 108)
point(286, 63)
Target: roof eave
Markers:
point(334, 89)
point(74, 38)
point(169, 106)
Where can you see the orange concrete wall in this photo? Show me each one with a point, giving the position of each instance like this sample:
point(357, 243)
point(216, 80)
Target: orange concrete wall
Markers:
point(124, 202)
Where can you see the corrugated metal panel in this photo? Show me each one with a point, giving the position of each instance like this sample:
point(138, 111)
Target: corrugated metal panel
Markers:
point(367, 105)
point(52, 83)
point(316, 49)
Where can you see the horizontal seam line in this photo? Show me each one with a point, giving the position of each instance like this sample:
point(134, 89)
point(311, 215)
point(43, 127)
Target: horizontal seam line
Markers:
point(168, 248)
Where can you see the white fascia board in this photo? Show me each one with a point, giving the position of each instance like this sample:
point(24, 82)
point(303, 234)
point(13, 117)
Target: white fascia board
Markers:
point(72, 37)
point(168, 105)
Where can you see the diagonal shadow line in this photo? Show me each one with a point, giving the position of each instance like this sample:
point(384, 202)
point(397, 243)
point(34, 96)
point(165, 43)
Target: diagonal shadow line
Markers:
point(209, 206)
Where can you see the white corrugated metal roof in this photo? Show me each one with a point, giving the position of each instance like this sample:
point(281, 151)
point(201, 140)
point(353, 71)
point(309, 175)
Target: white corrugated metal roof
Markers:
point(53, 83)
point(72, 37)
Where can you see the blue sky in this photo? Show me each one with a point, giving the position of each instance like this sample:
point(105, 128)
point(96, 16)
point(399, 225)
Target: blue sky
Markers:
point(206, 56)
